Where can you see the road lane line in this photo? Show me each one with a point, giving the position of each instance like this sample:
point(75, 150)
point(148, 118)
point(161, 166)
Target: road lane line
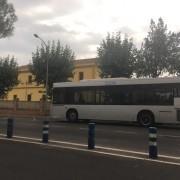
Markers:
point(121, 131)
point(125, 132)
point(55, 126)
point(116, 131)
point(133, 132)
point(80, 144)
point(94, 151)
point(98, 147)
point(69, 143)
point(121, 150)
point(168, 135)
point(83, 128)
point(170, 157)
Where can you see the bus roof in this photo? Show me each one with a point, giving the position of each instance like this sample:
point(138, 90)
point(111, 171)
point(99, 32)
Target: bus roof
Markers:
point(118, 81)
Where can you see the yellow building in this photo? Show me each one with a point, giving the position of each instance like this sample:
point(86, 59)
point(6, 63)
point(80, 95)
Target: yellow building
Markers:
point(27, 90)
point(85, 69)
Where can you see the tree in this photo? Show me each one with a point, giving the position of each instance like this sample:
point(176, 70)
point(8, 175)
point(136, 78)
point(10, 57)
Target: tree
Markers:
point(8, 74)
point(174, 54)
point(116, 56)
point(60, 62)
point(159, 51)
point(7, 19)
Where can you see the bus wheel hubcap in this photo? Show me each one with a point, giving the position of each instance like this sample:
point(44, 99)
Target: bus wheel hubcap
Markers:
point(72, 116)
point(146, 120)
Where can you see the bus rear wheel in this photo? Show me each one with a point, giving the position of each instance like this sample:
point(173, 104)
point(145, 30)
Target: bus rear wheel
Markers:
point(145, 118)
point(72, 115)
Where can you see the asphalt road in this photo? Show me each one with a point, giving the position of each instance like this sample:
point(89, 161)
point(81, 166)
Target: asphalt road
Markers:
point(119, 136)
point(121, 152)
point(21, 160)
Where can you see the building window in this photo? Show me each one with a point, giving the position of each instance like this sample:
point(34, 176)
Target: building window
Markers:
point(29, 97)
point(43, 97)
point(81, 75)
point(29, 79)
point(15, 97)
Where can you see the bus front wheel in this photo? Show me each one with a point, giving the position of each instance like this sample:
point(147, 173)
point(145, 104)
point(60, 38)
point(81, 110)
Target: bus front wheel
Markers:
point(145, 118)
point(72, 115)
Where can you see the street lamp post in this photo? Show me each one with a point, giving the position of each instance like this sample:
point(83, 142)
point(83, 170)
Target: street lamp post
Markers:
point(47, 65)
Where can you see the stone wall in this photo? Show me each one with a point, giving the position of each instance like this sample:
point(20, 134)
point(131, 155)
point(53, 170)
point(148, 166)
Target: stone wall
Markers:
point(24, 108)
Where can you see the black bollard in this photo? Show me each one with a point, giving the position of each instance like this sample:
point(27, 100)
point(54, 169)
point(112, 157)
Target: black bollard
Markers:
point(153, 151)
point(45, 133)
point(10, 125)
point(91, 136)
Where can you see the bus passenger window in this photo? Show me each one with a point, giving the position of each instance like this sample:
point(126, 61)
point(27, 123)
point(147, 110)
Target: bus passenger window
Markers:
point(76, 97)
point(177, 92)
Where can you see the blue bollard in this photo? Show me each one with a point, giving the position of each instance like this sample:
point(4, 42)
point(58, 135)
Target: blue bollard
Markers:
point(45, 133)
point(153, 151)
point(10, 125)
point(91, 136)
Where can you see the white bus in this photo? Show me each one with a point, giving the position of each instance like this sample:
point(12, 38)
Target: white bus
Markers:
point(143, 100)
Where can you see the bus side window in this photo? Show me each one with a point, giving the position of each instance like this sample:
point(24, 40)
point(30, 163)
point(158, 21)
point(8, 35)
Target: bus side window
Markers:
point(82, 98)
point(104, 97)
point(98, 97)
point(76, 97)
point(58, 96)
point(176, 92)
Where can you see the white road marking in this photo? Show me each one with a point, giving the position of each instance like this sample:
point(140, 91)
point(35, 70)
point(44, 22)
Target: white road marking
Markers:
point(126, 132)
point(168, 135)
point(57, 126)
point(68, 143)
point(121, 150)
point(117, 131)
point(95, 151)
point(121, 131)
point(100, 147)
point(83, 128)
point(137, 152)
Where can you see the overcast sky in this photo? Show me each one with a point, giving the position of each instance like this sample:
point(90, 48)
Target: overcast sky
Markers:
point(82, 24)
